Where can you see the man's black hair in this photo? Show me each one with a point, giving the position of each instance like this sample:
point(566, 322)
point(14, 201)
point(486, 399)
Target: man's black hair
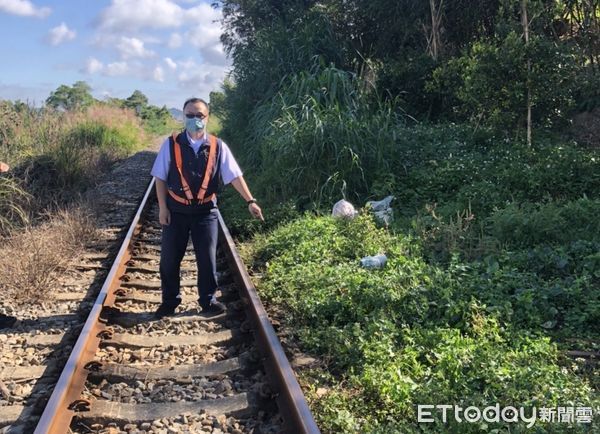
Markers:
point(194, 101)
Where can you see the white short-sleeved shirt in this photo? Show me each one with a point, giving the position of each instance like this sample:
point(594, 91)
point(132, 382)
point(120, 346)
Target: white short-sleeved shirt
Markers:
point(229, 167)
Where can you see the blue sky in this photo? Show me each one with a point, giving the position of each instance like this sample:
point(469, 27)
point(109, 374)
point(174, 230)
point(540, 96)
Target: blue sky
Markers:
point(168, 49)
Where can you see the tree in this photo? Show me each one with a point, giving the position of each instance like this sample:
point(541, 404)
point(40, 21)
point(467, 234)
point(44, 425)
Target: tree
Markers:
point(71, 98)
point(137, 101)
point(217, 103)
point(525, 22)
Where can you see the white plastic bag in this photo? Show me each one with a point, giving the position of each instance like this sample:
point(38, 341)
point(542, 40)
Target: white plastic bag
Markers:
point(373, 262)
point(382, 209)
point(344, 209)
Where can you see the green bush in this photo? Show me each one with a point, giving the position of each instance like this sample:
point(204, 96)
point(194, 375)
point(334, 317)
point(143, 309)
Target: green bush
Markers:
point(529, 224)
point(461, 172)
point(26, 131)
point(158, 121)
point(331, 146)
point(489, 83)
point(88, 149)
point(242, 225)
point(416, 333)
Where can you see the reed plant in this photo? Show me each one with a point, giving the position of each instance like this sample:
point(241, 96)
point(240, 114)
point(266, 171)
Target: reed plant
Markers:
point(54, 156)
point(27, 131)
point(323, 132)
point(14, 204)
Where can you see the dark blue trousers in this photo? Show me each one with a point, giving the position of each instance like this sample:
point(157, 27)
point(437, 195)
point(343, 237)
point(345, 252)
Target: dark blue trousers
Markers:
point(204, 231)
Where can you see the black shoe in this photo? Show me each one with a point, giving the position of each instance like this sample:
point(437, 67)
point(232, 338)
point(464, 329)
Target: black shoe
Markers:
point(163, 311)
point(6, 321)
point(214, 308)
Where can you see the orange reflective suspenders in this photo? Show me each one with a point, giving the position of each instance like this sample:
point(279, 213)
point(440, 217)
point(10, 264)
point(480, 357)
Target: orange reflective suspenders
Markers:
point(189, 197)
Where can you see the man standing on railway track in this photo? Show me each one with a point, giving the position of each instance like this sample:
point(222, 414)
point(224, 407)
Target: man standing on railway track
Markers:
point(188, 169)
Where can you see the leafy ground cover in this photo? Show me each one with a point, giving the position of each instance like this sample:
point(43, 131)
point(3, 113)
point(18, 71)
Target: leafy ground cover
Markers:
point(472, 333)
point(483, 295)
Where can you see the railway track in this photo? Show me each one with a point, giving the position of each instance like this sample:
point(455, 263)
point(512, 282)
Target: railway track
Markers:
point(128, 372)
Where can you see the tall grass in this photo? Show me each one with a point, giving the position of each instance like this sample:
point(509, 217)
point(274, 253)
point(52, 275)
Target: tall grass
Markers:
point(321, 131)
point(26, 131)
point(14, 202)
point(97, 138)
point(56, 155)
point(31, 259)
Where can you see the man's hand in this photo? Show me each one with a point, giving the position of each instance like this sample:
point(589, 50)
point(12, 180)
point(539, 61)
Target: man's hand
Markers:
point(164, 216)
point(256, 211)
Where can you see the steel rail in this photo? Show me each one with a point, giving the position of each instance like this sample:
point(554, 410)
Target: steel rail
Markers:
point(59, 411)
point(292, 404)
point(57, 415)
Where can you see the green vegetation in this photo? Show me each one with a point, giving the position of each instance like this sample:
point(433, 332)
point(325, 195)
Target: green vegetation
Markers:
point(14, 201)
point(472, 332)
point(462, 111)
point(57, 151)
point(436, 61)
point(155, 120)
point(73, 97)
point(55, 155)
point(492, 275)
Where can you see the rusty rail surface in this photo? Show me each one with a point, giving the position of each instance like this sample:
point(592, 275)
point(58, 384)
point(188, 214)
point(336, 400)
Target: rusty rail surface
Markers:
point(65, 398)
point(59, 411)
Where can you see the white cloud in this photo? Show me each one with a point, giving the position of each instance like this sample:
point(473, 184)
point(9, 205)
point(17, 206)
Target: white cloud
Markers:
point(93, 65)
point(175, 41)
point(23, 8)
point(117, 68)
point(133, 47)
point(188, 64)
point(215, 55)
point(170, 63)
point(134, 69)
point(158, 74)
point(200, 79)
point(60, 34)
point(123, 29)
point(204, 34)
point(203, 14)
point(128, 19)
point(136, 14)
point(206, 37)
point(133, 15)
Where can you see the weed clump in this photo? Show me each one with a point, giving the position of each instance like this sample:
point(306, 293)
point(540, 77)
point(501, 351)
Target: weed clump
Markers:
point(32, 258)
point(14, 204)
point(56, 155)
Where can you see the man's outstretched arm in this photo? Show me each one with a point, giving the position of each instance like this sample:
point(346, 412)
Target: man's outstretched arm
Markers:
point(242, 188)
